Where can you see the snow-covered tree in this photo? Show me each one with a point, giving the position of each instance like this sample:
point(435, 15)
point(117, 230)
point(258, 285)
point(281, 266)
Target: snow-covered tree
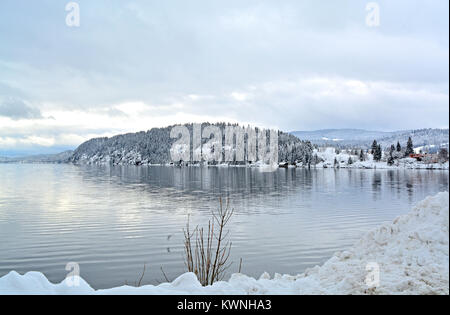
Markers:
point(378, 153)
point(390, 160)
point(409, 147)
point(443, 155)
point(374, 146)
point(392, 150)
point(362, 156)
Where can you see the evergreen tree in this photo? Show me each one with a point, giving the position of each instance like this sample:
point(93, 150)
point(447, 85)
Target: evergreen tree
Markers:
point(392, 149)
point(399, 147)
point(390, 160)
point(378, 153)
point(374, 146)
point(443, 155)
point(350, 161)
point(409, 147)
point(361, 156)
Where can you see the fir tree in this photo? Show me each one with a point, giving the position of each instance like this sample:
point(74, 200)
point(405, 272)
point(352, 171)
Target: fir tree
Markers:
point(409, 147)
point(377, 154)
point(443, 155)
point(399, 147)
point(361, 156)
point(390, 160)
point(374, 146)
point(392, 149)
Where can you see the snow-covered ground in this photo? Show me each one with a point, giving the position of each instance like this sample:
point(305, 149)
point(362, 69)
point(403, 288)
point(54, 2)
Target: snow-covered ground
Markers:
point(328, 156)
point(411, 254)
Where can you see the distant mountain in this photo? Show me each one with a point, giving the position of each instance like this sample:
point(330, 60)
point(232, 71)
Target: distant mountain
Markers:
point(4, 159)
point(41, 158)
point(433, 138)
point(34, 151)
point(340, 135)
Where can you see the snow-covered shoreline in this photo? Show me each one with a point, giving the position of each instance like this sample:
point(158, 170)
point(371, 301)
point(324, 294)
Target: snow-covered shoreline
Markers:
point(328, 158)
point(383, 166)
point(412, 254)
point(321, 165)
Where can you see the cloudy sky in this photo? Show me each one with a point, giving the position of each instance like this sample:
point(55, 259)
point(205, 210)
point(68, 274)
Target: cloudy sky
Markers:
point(293, 65)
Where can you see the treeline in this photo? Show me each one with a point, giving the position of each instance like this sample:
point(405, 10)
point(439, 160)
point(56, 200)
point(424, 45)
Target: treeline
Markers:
point(395, 152)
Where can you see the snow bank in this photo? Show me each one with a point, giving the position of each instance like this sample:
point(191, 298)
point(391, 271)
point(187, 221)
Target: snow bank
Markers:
point(412, 254)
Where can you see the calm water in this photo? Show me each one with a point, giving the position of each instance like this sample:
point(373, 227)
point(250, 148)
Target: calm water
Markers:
point(113, 220)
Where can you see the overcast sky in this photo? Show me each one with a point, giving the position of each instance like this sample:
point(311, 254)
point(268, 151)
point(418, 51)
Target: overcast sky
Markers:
point(293, 65)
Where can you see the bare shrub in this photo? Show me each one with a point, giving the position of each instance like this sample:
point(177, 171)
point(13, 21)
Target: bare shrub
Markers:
point(207, 250)
point(138, 282)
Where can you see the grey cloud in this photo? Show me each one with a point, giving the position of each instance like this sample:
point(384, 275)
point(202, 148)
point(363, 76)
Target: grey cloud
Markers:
point(17, 109)
point(160, 52)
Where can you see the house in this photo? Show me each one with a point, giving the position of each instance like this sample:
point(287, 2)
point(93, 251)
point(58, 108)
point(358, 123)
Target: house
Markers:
point(418, 156)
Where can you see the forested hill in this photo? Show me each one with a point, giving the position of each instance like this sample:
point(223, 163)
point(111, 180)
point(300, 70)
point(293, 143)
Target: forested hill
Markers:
point(351, 138)
point(153, 147)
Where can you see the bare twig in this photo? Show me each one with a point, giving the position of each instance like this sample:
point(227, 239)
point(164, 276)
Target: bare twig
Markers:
point(142, 277)
point(207, 251)
point(164, 274)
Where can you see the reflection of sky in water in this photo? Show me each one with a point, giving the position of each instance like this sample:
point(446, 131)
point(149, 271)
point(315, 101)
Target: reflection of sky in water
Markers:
point(112, 220)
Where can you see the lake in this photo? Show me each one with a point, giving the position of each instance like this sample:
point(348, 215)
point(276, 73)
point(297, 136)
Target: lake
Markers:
point(113, 220)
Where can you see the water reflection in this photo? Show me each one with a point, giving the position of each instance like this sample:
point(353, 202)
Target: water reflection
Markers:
point(112, 220)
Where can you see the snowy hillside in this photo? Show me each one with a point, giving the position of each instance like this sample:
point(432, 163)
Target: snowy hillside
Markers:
point(409, 256)
point(432, 139)
point(364, 138)
point(344, 136)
